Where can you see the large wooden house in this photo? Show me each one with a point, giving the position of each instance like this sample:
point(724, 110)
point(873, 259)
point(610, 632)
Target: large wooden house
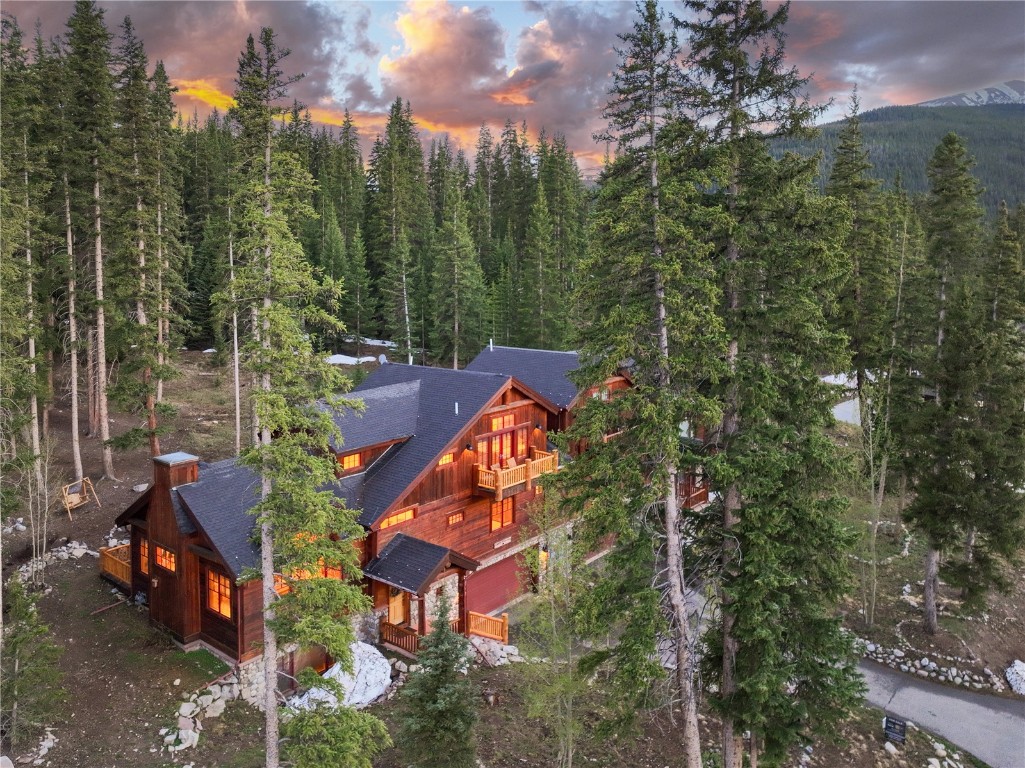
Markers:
point(442, 465)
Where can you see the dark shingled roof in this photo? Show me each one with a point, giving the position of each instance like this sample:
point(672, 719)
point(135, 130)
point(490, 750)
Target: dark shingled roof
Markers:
point(389, 414)
point(411, 564)
point(543, 370)
point(436, 425)
point(219, 501)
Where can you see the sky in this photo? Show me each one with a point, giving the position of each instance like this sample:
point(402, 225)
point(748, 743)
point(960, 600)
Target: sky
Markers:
point(549, 63)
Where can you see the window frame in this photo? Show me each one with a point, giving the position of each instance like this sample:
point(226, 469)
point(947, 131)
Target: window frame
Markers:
point(215, 583)
point(157, 549)
point(357, 461)
point(144, 556)
point(455, 518)
point(397, 518)
point(506, 505)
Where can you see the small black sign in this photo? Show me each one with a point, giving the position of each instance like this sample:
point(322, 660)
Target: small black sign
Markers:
point(895, 728)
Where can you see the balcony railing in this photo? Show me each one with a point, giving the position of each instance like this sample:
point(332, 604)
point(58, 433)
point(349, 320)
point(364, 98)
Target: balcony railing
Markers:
point(499, 481)
point(401, 638)
point(489, 626)
point(407, 640)
point(116, 564)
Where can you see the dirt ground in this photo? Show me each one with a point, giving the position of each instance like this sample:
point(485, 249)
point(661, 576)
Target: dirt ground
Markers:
point(120, 673)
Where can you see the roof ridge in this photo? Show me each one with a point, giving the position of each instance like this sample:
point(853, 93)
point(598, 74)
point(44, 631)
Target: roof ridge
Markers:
point(534, 349)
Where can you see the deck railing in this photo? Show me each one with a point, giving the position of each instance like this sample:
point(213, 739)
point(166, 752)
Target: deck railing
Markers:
point(489, 626)
point(400, 637)
point(116, 562)
point(497, 481)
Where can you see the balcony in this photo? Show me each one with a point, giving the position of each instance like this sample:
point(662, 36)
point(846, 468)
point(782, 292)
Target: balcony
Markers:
point(517, 476)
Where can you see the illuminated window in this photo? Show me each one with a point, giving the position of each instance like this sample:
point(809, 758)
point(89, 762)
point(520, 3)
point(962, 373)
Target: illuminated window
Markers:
point(501, 422)
point(352, 461)
point(455, 517)
point(396, 518)
point(280, 585)
point(218, 593)
point(330, 571)
point(144, 556)
point(521, 441)
point(165, 559)
point(448, 458)
point(502, 514)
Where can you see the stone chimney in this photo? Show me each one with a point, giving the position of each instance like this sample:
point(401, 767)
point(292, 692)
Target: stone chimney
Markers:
point(174, 469)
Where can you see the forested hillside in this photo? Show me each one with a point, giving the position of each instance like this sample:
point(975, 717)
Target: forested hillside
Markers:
point(902, 139)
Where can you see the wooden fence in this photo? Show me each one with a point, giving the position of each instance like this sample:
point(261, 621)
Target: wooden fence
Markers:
point(116, 563)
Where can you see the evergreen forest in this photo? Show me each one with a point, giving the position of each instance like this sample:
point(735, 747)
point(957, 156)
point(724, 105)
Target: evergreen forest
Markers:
point(717, 259)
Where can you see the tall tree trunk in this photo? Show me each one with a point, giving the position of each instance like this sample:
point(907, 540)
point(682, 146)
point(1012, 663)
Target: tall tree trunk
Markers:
point(101, 334)
point(235, 380)
point(270, 640)
point(674, 539)
point(29, 291)
point(164, 300)
point(76, 441)
point(932, 578)
point(90, 382)
point(143, 321)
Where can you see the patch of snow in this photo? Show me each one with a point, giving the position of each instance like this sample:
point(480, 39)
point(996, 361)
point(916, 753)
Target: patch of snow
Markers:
point(848, 412)
point(1015, 675)
point(370, 678)
point(348, 359)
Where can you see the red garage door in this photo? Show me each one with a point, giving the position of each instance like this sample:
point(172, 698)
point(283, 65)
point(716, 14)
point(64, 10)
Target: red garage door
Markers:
point(489, 589)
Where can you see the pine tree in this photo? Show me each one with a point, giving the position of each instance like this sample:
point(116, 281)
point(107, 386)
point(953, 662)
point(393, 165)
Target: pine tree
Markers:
point(650, 299)
point(437, 701)
point(459, 297)
point(542, 303)
point(30, 680)
point(964, 444)
point(784, 668)
point(91, 112)
point(302, 527)
point(360, 303)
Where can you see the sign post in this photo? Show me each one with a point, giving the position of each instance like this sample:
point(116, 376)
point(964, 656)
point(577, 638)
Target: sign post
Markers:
point(895, 729)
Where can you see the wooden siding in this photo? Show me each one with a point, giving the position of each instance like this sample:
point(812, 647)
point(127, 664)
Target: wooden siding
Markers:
point(249, 597)
point(449, 488)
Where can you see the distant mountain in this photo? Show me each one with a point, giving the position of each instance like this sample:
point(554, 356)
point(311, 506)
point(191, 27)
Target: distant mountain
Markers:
point(1011, 92)
point(904, 138)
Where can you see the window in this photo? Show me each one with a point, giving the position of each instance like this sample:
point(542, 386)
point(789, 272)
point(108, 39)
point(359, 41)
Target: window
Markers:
point(281, 585)
point(510, 440)
point(218, 593)
point(144, 556)
point(502, 514)
point(397, 517)
point(330, 571)
point(165, 559)
point(455, 517)
point(352, 461)
point(448, 458)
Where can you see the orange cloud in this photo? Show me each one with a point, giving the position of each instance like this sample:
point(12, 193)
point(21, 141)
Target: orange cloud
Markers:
point(206, 92)
point(514, 95)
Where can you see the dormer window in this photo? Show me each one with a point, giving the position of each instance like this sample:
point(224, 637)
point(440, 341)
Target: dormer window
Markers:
point(351, 461)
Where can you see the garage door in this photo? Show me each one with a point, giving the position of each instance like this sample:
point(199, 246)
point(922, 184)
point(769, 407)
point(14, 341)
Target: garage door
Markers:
point(489, 589)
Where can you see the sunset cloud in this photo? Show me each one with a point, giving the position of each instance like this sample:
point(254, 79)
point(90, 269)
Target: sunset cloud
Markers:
point(469, 62)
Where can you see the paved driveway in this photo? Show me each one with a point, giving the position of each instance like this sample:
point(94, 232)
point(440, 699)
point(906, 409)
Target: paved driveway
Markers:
point(991, 728)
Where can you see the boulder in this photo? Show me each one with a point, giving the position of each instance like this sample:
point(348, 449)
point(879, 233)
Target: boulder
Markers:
point(140, 487)
point(216, 708)
point(888, 746)
point(5, 762)
point(1015, 675)
point(188, 709)
point(370, 678)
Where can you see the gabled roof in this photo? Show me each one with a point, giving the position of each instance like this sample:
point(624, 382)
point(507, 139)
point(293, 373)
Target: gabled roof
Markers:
point(219, 501)
point(448, 401)
point(389, 414)
point(543, 370)
point(412, 564)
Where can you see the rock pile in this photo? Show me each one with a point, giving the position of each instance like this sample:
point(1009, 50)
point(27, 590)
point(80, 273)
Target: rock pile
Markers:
point(958, 673)
point(370, 679)
point(493, 653)
point(15, 525)
point(208, 703)
point(1015, 675)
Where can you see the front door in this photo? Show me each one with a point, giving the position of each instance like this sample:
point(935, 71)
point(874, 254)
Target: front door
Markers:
point(398, 606)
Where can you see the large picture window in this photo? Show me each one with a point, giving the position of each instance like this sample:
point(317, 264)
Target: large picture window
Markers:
point(502, 514)
point(218, 593)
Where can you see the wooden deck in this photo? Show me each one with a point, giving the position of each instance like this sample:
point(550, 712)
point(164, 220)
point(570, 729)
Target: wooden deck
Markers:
point(116, 565)
point(498, 482)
